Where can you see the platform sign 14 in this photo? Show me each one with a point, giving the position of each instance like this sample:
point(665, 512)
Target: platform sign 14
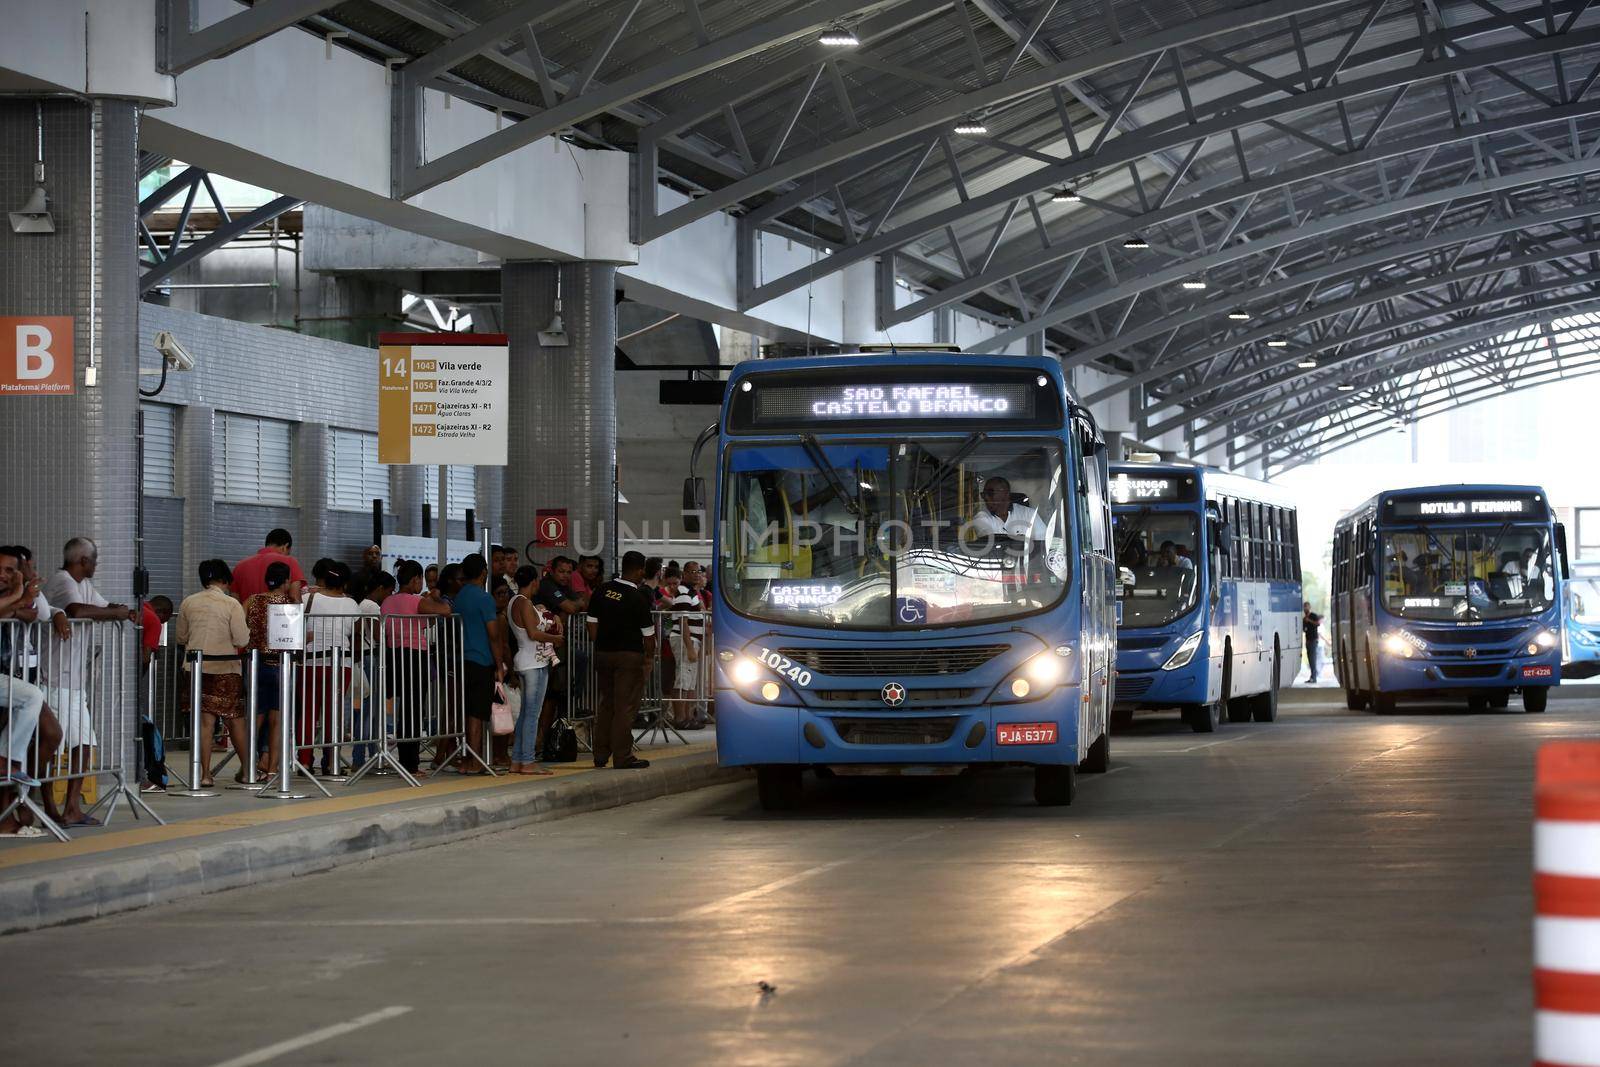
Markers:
point(442, 399)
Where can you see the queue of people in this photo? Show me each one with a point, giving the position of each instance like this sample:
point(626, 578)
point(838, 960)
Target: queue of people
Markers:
point(515, 619)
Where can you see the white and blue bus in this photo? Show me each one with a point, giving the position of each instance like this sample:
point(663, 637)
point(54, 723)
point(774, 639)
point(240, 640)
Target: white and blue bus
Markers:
point(914, 571)
point(1582, 656)
point(1209, 600)
point(1448, 591)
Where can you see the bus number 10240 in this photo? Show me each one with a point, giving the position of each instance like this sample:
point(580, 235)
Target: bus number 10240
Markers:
point(786, 667)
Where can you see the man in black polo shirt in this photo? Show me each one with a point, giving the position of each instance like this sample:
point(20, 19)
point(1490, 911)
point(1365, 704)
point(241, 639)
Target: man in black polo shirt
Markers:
point(623, 630)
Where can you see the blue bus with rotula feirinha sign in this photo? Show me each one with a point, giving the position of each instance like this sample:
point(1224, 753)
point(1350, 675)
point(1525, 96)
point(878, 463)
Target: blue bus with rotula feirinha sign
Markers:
point(1449, 591)
point(913, 570)
point(1208, 593)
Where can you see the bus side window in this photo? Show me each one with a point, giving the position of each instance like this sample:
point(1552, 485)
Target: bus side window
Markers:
point(1274, 543)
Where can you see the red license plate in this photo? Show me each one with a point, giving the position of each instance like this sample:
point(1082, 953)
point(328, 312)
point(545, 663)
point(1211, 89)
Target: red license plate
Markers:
point(1538, 671)
point(1025, 733)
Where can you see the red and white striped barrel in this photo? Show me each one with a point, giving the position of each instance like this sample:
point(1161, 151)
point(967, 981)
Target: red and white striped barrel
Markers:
point(1566, 934)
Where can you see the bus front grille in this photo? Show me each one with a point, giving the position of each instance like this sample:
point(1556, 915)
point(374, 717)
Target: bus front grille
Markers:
point(1139, 642)
point(894, 662)
point(895, 731)
point(913, 697)
point(1463, 671)
point(1134, 685)
point(1471, 635)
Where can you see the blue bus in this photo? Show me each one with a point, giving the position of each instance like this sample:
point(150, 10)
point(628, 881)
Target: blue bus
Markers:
point(1448, 590)
point(1582, 656)
point(914, 571)
point(1208, 593)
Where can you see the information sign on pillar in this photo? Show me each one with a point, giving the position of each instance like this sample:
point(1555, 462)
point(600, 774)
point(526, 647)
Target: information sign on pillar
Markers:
point(36, 356)
point(550, 528)
point(442, 398)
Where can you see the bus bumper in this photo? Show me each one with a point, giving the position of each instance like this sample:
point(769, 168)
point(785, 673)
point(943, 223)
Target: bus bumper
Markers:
point(1158, 688)
point(750, 734)
point(1398, 675)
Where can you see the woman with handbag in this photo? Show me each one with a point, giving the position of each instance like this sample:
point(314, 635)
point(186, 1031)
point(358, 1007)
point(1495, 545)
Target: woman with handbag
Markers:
point(535, 630)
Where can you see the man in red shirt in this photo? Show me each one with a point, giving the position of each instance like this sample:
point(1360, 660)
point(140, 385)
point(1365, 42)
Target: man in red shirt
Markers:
point(157, 611)
point(250, 575)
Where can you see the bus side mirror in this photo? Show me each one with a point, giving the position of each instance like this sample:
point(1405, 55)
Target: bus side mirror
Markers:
point(1222, 537)
point(694, 504)
point(1561, 547)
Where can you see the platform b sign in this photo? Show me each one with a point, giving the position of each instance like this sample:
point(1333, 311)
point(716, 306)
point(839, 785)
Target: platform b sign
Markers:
point(36, 356)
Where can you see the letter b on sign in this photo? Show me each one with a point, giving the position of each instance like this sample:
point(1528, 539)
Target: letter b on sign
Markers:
point(36, 355)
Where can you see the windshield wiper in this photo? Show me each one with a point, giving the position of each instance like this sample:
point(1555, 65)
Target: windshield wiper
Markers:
point(829, 472)
point(968, 446)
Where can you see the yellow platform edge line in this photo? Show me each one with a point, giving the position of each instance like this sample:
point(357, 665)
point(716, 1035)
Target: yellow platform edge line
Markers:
point(42, 852)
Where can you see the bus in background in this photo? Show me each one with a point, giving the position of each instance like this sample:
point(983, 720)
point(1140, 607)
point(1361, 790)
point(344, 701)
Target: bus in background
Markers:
point(914, 571)
point(1448, 591)
point(1208, 595)
point(1581, 658)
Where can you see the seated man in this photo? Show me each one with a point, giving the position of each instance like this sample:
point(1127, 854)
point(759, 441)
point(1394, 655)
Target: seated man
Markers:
point(1001, 517)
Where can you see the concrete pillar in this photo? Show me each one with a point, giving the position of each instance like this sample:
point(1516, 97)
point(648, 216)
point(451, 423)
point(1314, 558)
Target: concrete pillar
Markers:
point(488, 505)
point(197, 429)
point(315, 537)
point(563, 432)
point(72, 458)
point(407, 492)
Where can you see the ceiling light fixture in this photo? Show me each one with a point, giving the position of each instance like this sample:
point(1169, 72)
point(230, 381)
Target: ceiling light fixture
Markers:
point(1193, 283)
point(1307, 364)
point(1066, 195)
point(1136, 242)
point(1278, 342)
point(838, 36)
point(1239, 315)
point(1346, 387)
point(971, 126)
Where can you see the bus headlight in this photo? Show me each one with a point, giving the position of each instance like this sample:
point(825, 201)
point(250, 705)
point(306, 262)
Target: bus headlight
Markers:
point(1037, 677)
point(1395, 644)
point(744, 671)
point(1185, 652)
point(1545, 639)
point(770, 691)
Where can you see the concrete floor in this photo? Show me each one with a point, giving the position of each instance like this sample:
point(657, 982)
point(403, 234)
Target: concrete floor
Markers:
point(1330, 889)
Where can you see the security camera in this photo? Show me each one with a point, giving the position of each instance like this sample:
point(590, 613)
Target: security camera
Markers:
point(178, 357)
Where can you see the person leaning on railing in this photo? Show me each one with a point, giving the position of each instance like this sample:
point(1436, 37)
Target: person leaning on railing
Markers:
point(66, 668)
point(212, 622)
point(27, 722)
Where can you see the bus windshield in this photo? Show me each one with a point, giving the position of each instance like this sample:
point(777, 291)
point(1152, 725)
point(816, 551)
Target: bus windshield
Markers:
point(1157, 561)
point(1585, 593)
point(894, 532)
point(1473, 572)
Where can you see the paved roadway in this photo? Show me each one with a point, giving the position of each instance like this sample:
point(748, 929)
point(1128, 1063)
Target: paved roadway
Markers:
point(1331, 889)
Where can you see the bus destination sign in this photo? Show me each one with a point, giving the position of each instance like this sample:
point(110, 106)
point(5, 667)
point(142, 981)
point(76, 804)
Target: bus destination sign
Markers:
point(1463, 508)
point(1151, 488)
point(898, 401)
point(931, 398)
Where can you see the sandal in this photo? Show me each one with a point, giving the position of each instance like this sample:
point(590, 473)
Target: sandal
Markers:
point(25, 831)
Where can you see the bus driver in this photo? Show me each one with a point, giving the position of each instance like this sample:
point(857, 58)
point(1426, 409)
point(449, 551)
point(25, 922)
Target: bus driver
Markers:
point(1002, 517)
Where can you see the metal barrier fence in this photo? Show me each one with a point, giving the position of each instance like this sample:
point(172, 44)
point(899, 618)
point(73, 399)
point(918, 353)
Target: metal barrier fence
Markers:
point(366, 696)
point(678, 689)
point(67, 719)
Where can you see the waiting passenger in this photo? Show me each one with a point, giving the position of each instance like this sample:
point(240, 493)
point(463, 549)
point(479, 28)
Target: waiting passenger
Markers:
point(268, 679)
point(249, 575)
point(1003, 517)
point(66, 677)
point(212, 622)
